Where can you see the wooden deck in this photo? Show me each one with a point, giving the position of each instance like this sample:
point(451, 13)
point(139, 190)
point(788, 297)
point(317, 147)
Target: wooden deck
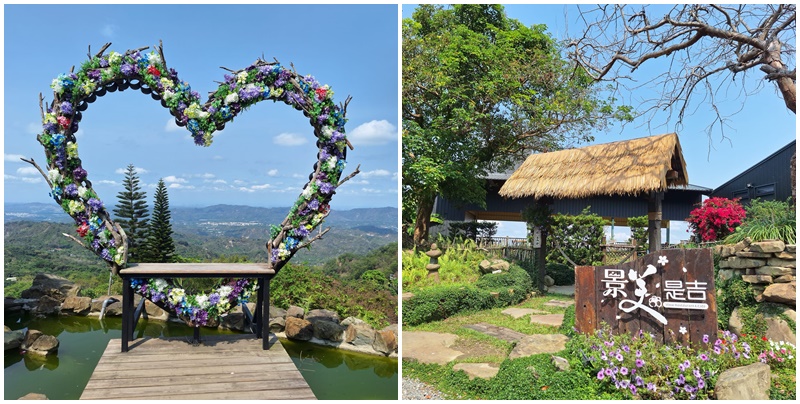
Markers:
point(223, 367)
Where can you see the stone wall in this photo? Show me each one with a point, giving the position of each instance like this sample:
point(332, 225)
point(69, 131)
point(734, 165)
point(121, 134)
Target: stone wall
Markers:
point(769, 266)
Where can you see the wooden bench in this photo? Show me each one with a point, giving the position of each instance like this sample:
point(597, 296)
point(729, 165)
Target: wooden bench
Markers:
point(262, 272)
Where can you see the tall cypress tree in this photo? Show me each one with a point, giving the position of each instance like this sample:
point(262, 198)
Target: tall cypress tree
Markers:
point(160, 246)
point(131, 213)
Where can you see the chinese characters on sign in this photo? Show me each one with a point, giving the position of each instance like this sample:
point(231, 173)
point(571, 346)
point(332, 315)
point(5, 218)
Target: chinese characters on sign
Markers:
point(670, 293)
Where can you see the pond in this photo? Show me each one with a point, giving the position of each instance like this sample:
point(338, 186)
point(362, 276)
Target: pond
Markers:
point(331, 373)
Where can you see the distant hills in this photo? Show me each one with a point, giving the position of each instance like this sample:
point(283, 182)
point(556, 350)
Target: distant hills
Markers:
point(215, 231)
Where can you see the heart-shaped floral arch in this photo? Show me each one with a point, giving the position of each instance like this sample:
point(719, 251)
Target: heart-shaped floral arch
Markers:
point(148, 72)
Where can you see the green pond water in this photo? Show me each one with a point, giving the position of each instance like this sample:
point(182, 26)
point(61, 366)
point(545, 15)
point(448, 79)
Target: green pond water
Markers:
point(331, 373)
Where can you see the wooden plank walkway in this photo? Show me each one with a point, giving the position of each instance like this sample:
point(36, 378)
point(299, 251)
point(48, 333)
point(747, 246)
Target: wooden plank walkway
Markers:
point(222, 367)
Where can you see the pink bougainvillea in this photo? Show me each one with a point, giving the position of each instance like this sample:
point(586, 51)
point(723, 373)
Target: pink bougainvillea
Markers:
point(716, 218)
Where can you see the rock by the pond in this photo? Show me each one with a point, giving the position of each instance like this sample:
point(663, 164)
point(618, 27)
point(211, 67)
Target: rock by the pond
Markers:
point(782, 293)
point(385, 342)
point(299, 329)
point(322, 314)
point(537, 344)
point(97, 304)
point(277, 324)
point(296, 312)
point(473, 370)
point(360, 334)
point(13, 339)
point(352, 320)
point(274, 312)
point(6, 328)
point(561, 364)
point(114, 309)
point(393, 328)
point(233, 321)
point(548, 281)
point(54, 286)
point(749, 382)
point(33, 396)
point(42, 344)
point(74, 305)
point(47, 305)
point(553, 320)
point(327, 330)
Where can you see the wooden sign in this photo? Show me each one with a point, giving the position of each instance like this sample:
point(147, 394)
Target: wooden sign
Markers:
point(669, 293)
point(537, 238)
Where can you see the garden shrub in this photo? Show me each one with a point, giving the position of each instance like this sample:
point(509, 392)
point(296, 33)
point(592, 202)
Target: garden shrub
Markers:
point(568, 324)
point(732, 294)
point(767, 220)
point(639, 226)
point(459, 264)
point(716, 218)
point(579, 236)
point(562, 274)
point(513, 286)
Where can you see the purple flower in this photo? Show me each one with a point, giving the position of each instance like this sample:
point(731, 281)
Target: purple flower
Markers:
point(337, 136)
point(717, 350)
point(639, 381)
point(94, 74)
point(66, 108)
point(609, 372)
point(681, 380)
point(619, 357)
point(95, 244)
point(600, 375)
point(703, 357)
point(214, 298)
point(313, 205)
point(705, 338)
point(638, 353)
point(633, 389)
point(95, 204)
point(301, 232)
point(623, 371)
point(50, 127)
point(79, 174)
point(686, 364)
point(696, 373)
point(106, 255)
point(639, 363)
point(71, 190)
point(626, 348)
point(127, 69)
point(701, 384)
point(326, 188)
point(688, 388)
point(624, 384)
point(651, 386)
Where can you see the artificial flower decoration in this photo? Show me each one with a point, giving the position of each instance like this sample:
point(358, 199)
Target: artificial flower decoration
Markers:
point(149, 73)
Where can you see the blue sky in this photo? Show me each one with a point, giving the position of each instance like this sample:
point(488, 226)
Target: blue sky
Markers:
point(763, 125)
point(265, 156)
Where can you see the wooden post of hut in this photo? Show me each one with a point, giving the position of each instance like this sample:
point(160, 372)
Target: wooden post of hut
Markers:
point(654, 220)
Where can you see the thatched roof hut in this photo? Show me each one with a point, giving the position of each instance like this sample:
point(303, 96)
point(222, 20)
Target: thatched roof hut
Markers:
point(630, 167)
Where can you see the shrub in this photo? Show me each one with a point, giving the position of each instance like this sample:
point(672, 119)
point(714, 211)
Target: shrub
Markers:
point(568, 324)
point(512, 286)
point(562, 274)
point(459, 265)
point(579, 236)
point(473, 230)
point(716, 218)
point(639, 225)
point(767, 220)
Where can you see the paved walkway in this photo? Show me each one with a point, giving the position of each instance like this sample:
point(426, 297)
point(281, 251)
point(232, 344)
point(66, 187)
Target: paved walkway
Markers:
point(568, 290)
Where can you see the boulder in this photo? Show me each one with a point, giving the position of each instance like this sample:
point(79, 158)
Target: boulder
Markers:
point(768, 246)
point(327, 330)
point(47, 305)
point(726, 274)
point(385, 342)
point(391, 327)
point(51, 285)
point(299, 329)
point(97, 304)
point(352, 320)
point(777, 262)
point(561, 364)
point(725, 251)
point(74, 305)
point(38, 343)
point(548, 281)
point(360, 334)
point(779, 330)
point(232, 321)
point(155, 312)
point(322, 314)
point(757, 278)
point(735, 323)
point(786, 256)
point(500, 265)
point(33, 396)
point(274, 312)
point(782, 293)
point(742, 263)
point(749, 382)
point(773, 271)
point(485, 266)
point(296, 312)
point(784, 279)
point(114, 309)
point(277, 324)
point(790, 248)
point(13, 339)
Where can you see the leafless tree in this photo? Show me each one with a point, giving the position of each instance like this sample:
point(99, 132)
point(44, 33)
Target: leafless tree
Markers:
point(711, 49)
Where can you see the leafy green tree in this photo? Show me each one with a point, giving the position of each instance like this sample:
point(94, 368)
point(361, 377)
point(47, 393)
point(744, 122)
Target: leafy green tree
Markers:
point(131, 213)
point(639, 226)
point(480, 92)
point(580, 237)
point(160, 246)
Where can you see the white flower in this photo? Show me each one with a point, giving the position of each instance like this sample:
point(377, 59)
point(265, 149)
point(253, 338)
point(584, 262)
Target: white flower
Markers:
point(114, 58)
point(176, 295)
point(54, 176)
point(153, 58)
point(682, 330)
point(56, 85)
point(202, 301)
point(168, 94)
point(241, 77)
point(662, 260)
point(331, 162)
point(224, 291)
point(307, 191)
point(160, 284)
point(327, 132)
point(84, 193)
point(120, 255)
point(231, 98)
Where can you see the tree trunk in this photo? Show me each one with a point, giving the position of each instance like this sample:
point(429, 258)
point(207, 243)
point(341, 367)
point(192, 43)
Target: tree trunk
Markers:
point(423, 222)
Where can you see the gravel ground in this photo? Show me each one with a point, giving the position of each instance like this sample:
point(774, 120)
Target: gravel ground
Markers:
point(414, 389)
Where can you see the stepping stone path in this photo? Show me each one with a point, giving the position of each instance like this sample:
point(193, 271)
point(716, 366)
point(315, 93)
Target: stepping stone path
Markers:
point(503, 333)
point(482, 370)
point(537, 344)
point(554, 320)
point(518, 313)
point(407, 295)
point(429, 347)
point(559, 303)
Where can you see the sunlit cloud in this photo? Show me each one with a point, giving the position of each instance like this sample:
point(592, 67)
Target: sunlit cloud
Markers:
point(290, 139)
point(138, 170)
point(373, 133)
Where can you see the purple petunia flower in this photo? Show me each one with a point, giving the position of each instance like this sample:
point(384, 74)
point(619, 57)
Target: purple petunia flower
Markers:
point(639, 381)
point(626, 348)
point(696, 373)
point(623, 371)
point(705, 338)
point(633, 389)
point(624, 384)
point(619, 357)
point(681, 380)
point(701, 384)
point(717, 350)
point(638, 353)
point(688, 388)
point(609, 372)
point(600, 375)
point(79, 174)
point(639, 363)
point(651, 386)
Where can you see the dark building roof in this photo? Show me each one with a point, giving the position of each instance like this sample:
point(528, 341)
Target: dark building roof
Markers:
point(769, 179)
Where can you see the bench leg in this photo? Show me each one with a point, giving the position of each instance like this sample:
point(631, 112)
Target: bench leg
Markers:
point(127, 312)
point(259, 304)
point(265, 315)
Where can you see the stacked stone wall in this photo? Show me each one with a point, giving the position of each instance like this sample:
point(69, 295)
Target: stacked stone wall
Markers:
point(769, 266)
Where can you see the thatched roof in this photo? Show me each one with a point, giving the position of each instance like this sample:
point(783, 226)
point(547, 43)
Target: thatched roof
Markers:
point(629, 167)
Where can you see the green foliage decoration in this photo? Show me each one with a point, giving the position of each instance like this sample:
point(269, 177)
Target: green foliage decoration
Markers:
point(767, 220)
point(562, 274)
point(579, 236)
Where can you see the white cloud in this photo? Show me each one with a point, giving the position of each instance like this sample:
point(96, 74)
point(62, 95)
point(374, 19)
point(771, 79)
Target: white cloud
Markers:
point(171, 126)
point(371, 191)
point(220, 182)
point(28, 180)
point(138, 170)
point(207, 175)
point(260, 187)
point(296, 175)
point(373, 133)
point(14, 158)
point(27, 171)
point(374, 173)
point(289, 139)
point(107, 182)
point(108, 30)
point(239, 182)
point(176, 185)
point(272, 172)
point(34, 128)
point(245, 189)
point(171, 179)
